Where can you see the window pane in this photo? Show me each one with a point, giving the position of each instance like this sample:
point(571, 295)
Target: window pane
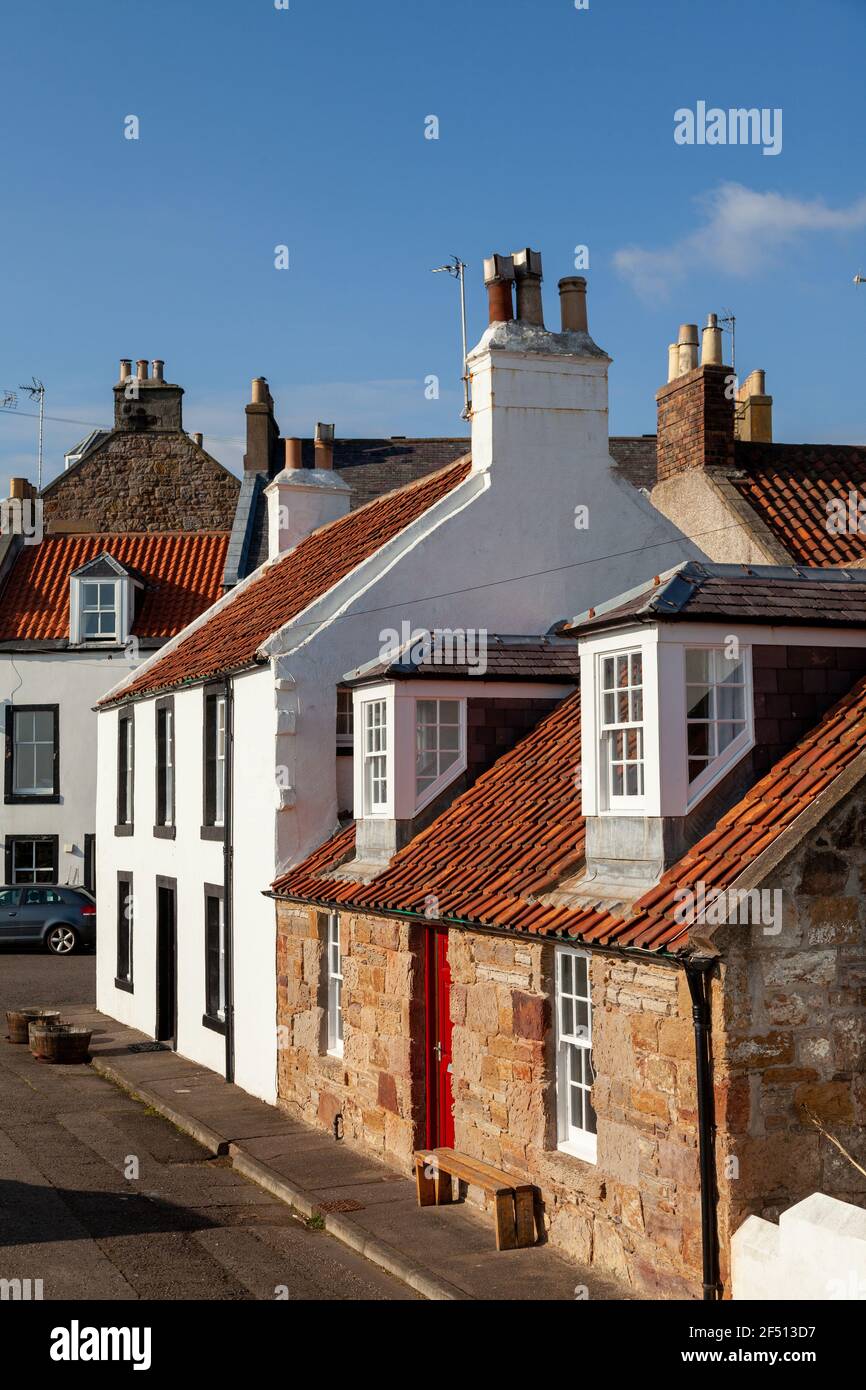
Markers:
point(622, 671)
point(610, 709)
point(44, 766)
point(636, 668)
point(607, 672)
point(580, 974)
point(731, 702)
point(43, 721)
point(106, 595)
point(697, 667)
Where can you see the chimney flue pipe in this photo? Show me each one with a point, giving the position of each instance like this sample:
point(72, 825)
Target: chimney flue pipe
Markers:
point(158, 364)
point(293, 454)
point(141, 369)
point(499, 279)
point(125, 368)
point(572, 300)
point(324, 446)
point(528, 274)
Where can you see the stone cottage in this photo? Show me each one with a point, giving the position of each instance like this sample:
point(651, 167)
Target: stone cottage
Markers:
point(626, 962)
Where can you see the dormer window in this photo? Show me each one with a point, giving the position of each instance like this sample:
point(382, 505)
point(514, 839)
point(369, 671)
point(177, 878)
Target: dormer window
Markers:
point(101, 601)
point(622, 731)
point(716, 695)
point(99, 611)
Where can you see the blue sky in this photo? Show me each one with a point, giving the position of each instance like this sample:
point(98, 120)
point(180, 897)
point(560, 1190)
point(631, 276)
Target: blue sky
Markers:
point(305, 127)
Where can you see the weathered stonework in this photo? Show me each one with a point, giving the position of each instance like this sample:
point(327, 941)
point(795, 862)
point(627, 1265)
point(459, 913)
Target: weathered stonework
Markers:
point(793, 1036)
point(377, 1087)
point(150, 481)
point(788, 1036)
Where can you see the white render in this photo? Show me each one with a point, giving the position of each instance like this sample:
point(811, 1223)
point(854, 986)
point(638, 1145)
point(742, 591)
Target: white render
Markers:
point(502, 551)
point(817, 1251)
point(74, 680)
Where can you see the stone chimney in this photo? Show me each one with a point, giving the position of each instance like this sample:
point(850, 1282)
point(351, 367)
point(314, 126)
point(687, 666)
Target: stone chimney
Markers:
point(263, 432)
point(696, 407)
point(754, 413)
point(21, 490)
point(300, 500)
point(145, 403)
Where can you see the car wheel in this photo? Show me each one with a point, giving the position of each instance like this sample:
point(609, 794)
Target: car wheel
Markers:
point(61, 941)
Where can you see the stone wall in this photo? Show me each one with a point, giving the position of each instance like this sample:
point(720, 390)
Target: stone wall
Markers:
point(635, 1214)
point(144, 482)
point(793, 1038)
point(377, 1086)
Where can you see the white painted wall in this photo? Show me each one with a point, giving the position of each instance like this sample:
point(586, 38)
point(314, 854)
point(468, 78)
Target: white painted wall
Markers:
point(817, 1251)
point(193, 862)
point(74, 681)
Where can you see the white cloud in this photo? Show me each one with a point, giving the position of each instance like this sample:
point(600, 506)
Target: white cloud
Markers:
point(739, 232)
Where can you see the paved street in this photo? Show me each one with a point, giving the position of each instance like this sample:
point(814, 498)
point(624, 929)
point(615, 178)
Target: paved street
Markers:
point(187, 1227)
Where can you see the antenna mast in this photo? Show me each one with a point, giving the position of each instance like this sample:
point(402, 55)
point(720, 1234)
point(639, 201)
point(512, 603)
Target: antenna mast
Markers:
point(37, 390)
point(457, 268)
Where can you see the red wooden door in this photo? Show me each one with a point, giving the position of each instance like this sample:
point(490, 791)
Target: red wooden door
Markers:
point(440, 1098)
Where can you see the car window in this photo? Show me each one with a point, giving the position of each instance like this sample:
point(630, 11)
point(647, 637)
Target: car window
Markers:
point(37, 896)
point(9, 897)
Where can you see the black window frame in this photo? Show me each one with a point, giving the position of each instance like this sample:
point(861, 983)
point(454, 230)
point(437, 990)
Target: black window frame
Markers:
point(125, 882)
point(11, 797)
point(210, 830)
point(13, 840)
point(161, 828)
point(213, 892)
point(125, 720)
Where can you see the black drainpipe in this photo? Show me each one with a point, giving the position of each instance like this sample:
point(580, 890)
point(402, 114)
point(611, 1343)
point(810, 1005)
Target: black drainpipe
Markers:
point(698, 976)
point(228, 879)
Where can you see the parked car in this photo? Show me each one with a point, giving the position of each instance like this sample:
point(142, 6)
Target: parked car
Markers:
point(62, 918)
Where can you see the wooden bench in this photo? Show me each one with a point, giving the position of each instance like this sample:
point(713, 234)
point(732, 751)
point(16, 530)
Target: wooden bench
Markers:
point(514, 1201)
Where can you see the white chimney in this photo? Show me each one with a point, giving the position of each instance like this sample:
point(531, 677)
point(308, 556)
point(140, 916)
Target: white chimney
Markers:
point(539, 399)
point(300, 500)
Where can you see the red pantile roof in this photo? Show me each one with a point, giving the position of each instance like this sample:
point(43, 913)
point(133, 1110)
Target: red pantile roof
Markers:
point(182, 573)
point(789, 486)
point(230, 639)
point(500, 847)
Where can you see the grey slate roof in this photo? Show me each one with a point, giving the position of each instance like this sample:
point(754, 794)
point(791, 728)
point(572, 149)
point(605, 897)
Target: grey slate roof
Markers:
point(785, 594)
point(508, 658)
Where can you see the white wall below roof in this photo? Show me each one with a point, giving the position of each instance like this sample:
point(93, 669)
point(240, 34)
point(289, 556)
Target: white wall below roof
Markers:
point(817, 1251)
point(74, 681)
point(192, 862)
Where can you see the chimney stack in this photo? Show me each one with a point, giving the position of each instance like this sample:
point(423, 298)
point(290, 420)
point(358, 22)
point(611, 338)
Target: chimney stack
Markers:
point(21, 489)
point(754, 415)
point(695, 408)
point(528, 274)
point(499, 279)
point(262, 429)
point(324, 446)
point(293, 454)
point(572, 300)
point(141, 369)
point(154, 405)
point(125, 368)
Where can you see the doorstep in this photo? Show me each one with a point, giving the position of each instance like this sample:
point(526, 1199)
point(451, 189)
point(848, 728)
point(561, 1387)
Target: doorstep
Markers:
point(444, 1253)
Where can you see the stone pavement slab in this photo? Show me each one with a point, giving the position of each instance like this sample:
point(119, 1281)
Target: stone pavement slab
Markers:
point(441, 1252)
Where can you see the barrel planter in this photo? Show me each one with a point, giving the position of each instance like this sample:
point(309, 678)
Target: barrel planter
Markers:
point(62, 1043)
point(18, 1022)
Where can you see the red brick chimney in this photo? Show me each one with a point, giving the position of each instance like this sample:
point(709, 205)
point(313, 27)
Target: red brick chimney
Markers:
point(696, 407)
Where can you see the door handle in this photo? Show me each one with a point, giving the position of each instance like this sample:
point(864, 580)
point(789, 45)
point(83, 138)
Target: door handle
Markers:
point(437, 1049)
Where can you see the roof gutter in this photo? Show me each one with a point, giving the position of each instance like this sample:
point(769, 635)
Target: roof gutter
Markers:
point(483, 929)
